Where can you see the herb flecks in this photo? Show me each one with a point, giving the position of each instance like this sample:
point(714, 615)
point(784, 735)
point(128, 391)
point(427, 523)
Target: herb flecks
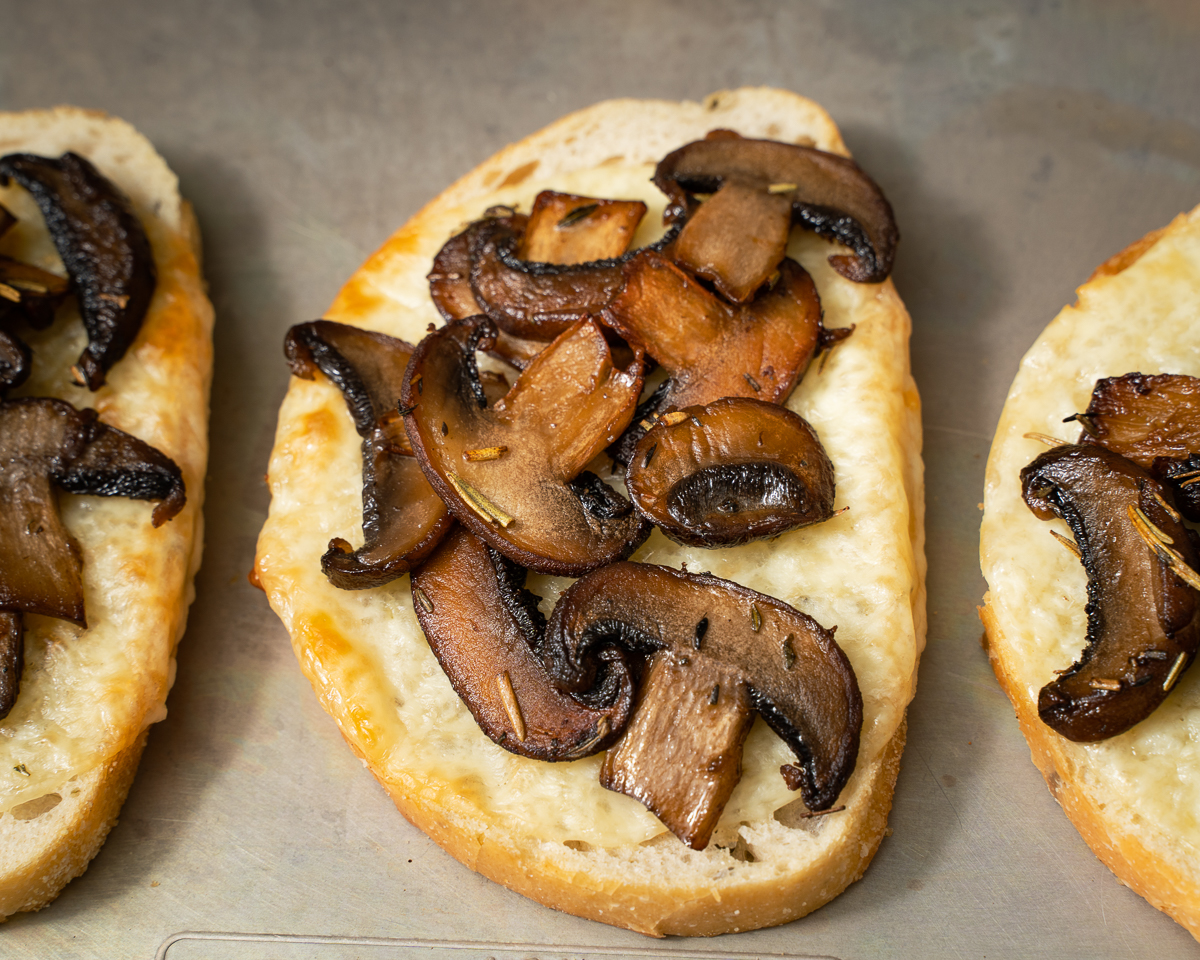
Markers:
point(508, 696)
point(478, 502)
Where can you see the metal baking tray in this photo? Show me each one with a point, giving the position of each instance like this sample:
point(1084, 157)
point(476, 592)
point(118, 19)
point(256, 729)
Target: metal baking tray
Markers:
point(1021, 144)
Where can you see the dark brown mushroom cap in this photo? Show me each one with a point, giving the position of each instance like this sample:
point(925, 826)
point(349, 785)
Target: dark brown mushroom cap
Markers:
point(29, 292)
point(44, 442)
point(484, 628)
point(567, 228)
point(1142, 618)
point(403, 519)
point(505, 471)
point(534, 300)
point(729, 472)
point(1155, 422)
point(771, 657)
point(760, 184)
point(103, 246)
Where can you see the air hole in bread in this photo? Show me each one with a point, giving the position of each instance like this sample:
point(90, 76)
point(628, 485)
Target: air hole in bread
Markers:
point(32, 809)
point(741, 851)
point(580, 845)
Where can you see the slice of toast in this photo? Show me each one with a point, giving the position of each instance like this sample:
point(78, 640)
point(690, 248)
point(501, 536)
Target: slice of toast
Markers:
point(1135, 798)
point(70, 746)
point(550, 831)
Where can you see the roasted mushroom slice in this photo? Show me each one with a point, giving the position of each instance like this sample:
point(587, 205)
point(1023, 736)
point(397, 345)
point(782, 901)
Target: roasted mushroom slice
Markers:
point(569, 229)
point(732, 471)
point(485, 628)
point(1153, 421)
point(505, 471)
point(710, 349)
point(103, 246)
point(1143, 628)
point(403, 519)
point(537, 301)
point(45, 442)
point(718, 652)
point(759, 188)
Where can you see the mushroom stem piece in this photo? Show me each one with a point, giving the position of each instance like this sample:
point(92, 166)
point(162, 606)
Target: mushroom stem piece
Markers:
point(484, 629)
point(103, 246)
point(403, 519)
point(733, 651)
point(1142, 616)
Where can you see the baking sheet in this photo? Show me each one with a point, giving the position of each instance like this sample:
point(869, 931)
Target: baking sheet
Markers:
point(1020, 144)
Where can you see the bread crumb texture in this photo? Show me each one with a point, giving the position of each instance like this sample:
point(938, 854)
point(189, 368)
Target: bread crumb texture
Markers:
point(87, 695)
point(1135, 797)
point(550, 830)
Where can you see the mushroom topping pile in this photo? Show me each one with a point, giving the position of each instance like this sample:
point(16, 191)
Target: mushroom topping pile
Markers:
point(506, 471)
point(103, 247)
point(737, 237)
point(485, 629)
point(666, 669)
point(1143, 628)
point(403, 519)
point(731, 471)
point(46, 442)
point(718, 652)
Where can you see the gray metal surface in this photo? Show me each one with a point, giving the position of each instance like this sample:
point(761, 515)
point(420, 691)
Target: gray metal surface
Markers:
point(1021, 144)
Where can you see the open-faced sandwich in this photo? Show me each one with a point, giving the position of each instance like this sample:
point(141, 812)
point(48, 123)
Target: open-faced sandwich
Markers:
point(1090, 553)
point(574, 484)
point(105, 361)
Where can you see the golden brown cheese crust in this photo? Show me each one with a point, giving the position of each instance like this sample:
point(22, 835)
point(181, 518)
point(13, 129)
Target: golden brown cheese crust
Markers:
point(550, 831)
point(1133, 797)
point(88, 696)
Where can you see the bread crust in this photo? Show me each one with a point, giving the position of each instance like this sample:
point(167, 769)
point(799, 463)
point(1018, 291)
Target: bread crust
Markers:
point(367, 666)
point(88, 696)
point(1156, 864)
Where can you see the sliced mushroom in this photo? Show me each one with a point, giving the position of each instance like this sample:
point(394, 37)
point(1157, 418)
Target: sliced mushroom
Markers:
point(564, 408)
point(403, 519)
point(1143, 628)
point(45, 442)
point(729, 472)
point(1153, 421)
point(569, 229)
point(30, 292)
point(759, 188)
point(485, 628)
point(710, 349)
point(537, 301)
point(103, 246)
point(718, 652)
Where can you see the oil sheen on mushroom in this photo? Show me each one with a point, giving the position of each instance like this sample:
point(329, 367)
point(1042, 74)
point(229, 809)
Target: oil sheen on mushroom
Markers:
point(729, 472)
point(713, 653)
point(505, 470)
point(46, 443)
point(759, 188)
point(485, 630)
point(403, 519)
point(1142, 626)
point(103, 246)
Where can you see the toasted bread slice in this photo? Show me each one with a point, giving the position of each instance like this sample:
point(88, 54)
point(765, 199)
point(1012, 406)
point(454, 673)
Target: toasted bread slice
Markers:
point(1135, 798)
point(550, 831)
point(70, 746)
